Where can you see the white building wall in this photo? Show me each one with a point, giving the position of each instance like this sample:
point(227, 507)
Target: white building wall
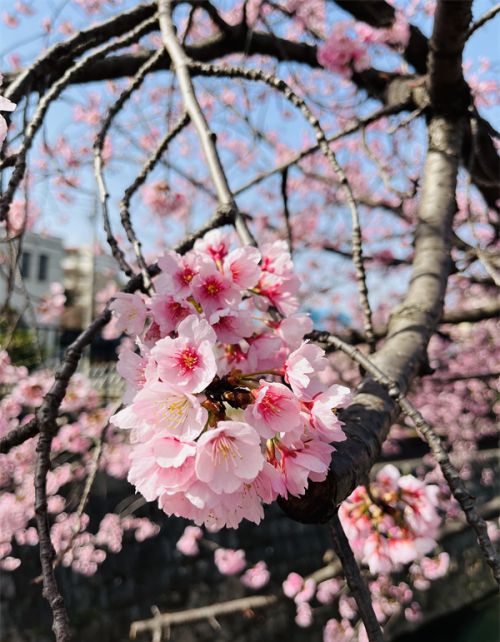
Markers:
point(40, 264)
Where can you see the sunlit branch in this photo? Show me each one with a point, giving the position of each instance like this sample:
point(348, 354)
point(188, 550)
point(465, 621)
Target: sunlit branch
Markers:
point(207, 137)
point(486, 17)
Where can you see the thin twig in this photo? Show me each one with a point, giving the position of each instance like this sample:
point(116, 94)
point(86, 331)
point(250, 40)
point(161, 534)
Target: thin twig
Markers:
point(286, 211)
point(383, 172)
point(347, 131)
point(135, 83)
point(355, 581)
point(138, 181)
point(457, 487)
point(491, 13)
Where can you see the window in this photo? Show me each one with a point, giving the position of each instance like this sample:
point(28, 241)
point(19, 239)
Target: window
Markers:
point(43, 267)
point(25, 265)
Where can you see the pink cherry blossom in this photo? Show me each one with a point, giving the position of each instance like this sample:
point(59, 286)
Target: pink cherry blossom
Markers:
point(306, 592)
point(276, 258)
point(347, 607)
point(215, 244)
point(310, 460)
point(242, 266)
point(301, 368)
point(266, 352)
point(130, 312)
point(281, 292)
point(169, 410)
point(292, 585)
point(336, 631)
point(229, 561)
point(275, 410)
point(229, 456)
point(304, 616)
point(188, 542)
point(165, 464)
point(168, 312)
point(324, 408)
point(256, 577)
point(187, 362)
point(131, 366)
point(213, 291)
point(376, 536)
point(435, 568)
point(177, 274)
point(342, 54)
point(292, 329)
point(231, 325)
point(328, 590)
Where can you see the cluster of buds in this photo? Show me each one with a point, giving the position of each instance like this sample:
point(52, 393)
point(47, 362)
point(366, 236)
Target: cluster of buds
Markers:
point(392, 522)
point(226, 406)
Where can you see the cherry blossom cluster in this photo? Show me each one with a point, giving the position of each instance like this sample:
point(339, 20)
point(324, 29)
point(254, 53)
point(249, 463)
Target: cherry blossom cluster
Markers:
point(392, 523)
point(80, 426)
point(228, 561)
point(389, 598)
point(345, 54)
point(227, 409)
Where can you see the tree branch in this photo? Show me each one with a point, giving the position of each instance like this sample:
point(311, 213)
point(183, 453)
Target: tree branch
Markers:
point(134, 186)
point(193, 109)
point(368, 418)
point(136, 82)
point(355, 581)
